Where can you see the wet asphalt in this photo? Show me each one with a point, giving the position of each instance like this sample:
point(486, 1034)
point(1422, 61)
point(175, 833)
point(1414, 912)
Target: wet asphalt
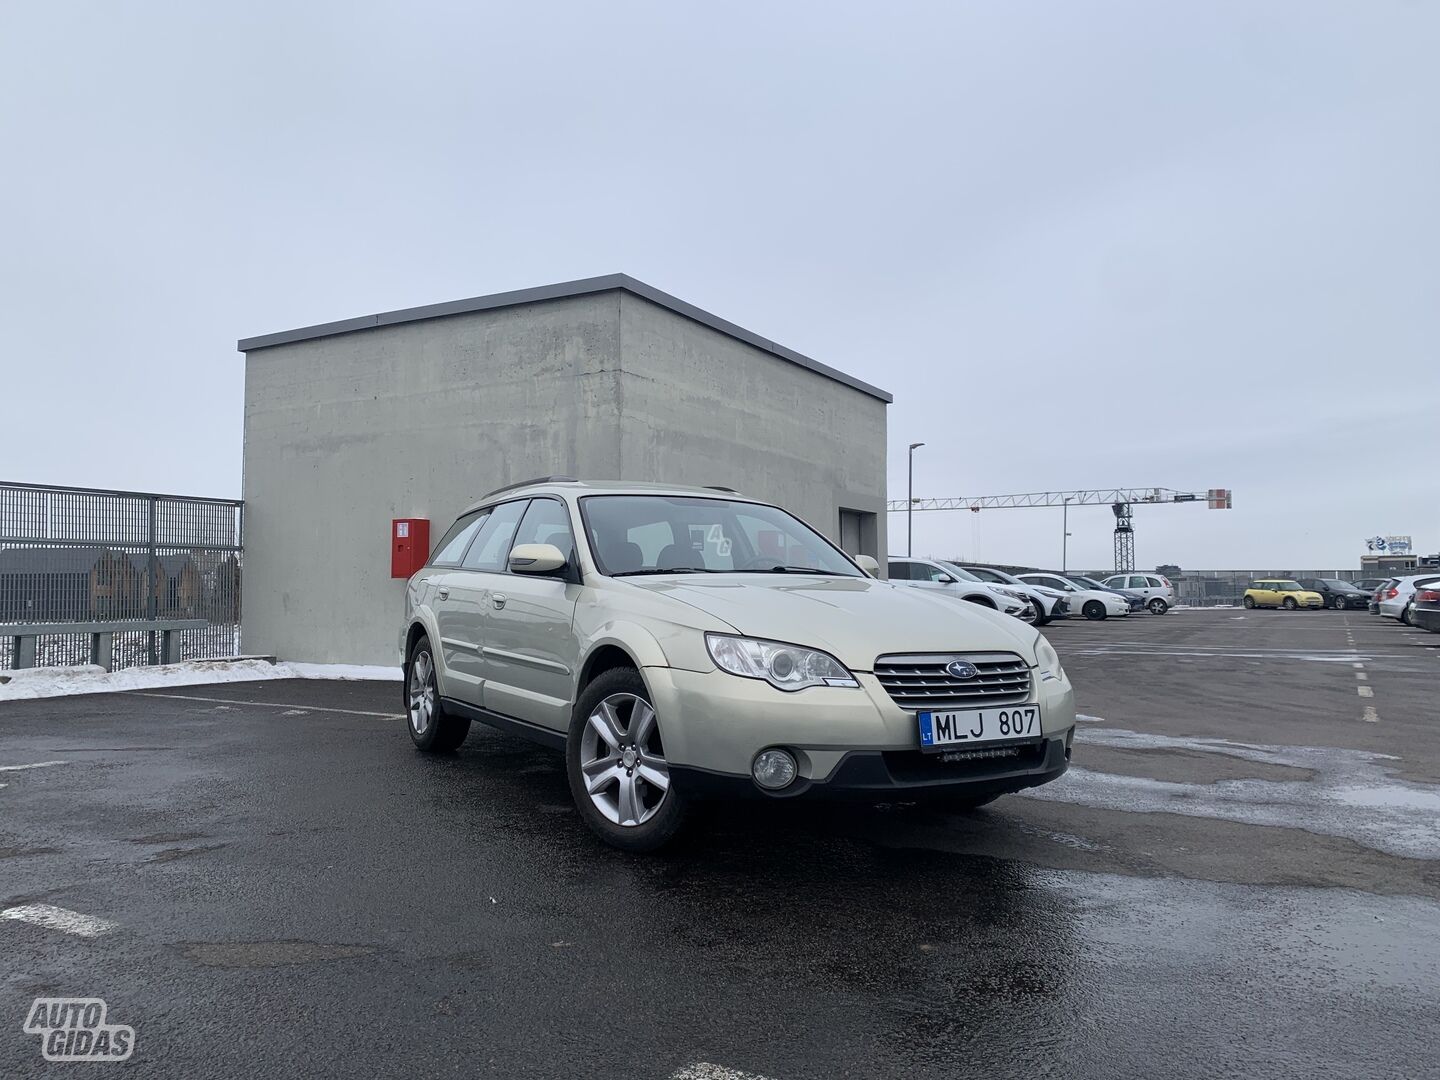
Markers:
point(1239, 877)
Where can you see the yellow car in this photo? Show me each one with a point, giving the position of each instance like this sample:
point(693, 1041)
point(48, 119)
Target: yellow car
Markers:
point(1278, 592)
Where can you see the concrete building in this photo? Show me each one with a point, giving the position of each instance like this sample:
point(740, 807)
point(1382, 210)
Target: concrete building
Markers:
point(416, 413)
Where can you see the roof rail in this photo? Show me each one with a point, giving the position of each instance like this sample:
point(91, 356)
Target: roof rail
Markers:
point(528, 483)
point(717, 487)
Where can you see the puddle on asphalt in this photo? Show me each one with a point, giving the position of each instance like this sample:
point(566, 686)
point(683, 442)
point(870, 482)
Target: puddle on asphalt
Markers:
point(1352, 794)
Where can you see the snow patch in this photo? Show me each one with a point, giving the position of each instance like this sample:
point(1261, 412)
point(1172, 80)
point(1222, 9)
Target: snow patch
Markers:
point(45, 682)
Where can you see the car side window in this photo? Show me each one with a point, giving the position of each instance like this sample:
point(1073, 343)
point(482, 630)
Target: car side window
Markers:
point(1155, 583)
point(900, 571)
point(454, 543)
point(492, 542)
point(931, 573)
point(547, 521)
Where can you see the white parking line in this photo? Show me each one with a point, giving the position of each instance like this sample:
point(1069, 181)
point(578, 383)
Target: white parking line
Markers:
point(1365, 691)
point(1370, 716)
point(32, 765)
point(268, 704)
point(58, 918)
point(703, 1070)
point(1361, 676)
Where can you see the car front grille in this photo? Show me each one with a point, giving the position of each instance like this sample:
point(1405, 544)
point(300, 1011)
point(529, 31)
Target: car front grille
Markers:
point(922, 681)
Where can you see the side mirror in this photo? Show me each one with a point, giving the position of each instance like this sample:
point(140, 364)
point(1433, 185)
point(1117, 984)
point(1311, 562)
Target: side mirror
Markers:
point(536, 559)
point(945, 579)
point(868, 564)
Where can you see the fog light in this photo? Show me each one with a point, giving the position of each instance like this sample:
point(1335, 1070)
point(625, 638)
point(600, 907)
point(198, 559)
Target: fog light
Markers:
point(774, 769)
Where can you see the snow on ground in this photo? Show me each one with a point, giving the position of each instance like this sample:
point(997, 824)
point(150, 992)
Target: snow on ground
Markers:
point(44, 682)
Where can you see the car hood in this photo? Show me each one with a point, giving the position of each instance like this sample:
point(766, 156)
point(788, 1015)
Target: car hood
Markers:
point(853, 619)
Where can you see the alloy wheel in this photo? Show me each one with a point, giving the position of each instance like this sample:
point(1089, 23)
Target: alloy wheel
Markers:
point(622, 760)
point(422, 691)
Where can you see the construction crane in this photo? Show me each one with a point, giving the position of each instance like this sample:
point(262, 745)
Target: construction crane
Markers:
point(1121, 500)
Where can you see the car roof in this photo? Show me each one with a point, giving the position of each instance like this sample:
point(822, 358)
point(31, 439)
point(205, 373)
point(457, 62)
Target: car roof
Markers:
point(565, 485)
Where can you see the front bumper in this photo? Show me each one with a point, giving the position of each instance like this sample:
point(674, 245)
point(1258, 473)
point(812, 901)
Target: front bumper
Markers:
point(715, 723)
point(903, 774)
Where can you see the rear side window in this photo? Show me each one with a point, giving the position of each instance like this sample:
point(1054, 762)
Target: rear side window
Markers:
point(453, 546)
point(492, 543)
point(900, 571)
point(1155, 583)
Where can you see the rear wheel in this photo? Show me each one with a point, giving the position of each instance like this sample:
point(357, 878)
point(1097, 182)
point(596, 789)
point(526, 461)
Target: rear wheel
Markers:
point(1290, 604)
point(1094, 610)
point(432, 729)
point(1158, 606)
point(1250, 602)
point(616, 765)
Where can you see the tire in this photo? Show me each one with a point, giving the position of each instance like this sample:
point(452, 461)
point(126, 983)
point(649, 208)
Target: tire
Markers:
point(619, 806)
point(1158, 606)
point(1094, 610)
point(1041, 619)
point(432, 729)
point(1338, 603)
point(1249, 603)
point(1290, 604)
point(1405, 616)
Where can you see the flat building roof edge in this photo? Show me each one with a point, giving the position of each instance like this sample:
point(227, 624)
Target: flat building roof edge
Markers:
point(560, 291)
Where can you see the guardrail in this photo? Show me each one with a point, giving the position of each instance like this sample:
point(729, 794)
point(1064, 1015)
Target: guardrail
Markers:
point(25, 639)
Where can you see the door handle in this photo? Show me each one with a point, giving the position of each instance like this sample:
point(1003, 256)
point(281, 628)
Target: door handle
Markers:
point(498, 599)
point(443, 593)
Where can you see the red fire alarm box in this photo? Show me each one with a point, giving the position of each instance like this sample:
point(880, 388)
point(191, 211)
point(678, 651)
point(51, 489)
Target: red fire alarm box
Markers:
point(409, 545)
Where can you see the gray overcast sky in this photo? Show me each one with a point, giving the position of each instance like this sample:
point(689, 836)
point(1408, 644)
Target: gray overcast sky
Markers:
point(1084, 244)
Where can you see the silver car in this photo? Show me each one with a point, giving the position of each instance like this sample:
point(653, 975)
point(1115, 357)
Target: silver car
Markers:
point(680, 644)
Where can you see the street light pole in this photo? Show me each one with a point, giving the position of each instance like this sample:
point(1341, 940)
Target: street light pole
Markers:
point(1064, 535)
point(910, 503)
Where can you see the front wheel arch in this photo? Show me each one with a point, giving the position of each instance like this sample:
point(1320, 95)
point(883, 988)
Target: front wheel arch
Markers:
point(983, 601)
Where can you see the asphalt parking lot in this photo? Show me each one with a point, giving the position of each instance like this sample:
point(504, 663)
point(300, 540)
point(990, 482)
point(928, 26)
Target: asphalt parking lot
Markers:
point(1238, 877)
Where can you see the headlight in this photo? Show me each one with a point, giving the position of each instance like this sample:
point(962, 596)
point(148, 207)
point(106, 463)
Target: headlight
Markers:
point(1049, 659)
point(1015, 593)
point(785, 667)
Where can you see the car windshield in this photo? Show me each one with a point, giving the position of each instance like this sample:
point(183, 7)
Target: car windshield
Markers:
point(1336, 584)
point(959, 572)
point(1086, 583)
point(659, 534)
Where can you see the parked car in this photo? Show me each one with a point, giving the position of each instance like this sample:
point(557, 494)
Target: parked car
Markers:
point(1159, 594)
point(1370, 584)
point(1136, 600)
point(682, 643)
point(1395, 603)
point(1336, 593)
point(1092, 603)
point(1281, 593)
point(1051, 603)
point(952, 581)
point(1425, 609)
point(1379, 594)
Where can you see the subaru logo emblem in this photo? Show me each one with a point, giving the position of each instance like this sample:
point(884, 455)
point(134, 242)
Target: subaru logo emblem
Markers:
point(962, 669)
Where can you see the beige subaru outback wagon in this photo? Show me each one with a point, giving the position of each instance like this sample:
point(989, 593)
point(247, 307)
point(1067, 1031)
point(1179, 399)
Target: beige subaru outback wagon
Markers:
point(680, 644)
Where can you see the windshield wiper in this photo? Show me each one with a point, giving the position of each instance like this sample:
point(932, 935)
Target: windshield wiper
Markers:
point(665, 570)
point(789, 570)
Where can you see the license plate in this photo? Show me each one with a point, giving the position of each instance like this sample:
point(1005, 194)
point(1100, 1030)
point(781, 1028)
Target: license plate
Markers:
point(939, 730)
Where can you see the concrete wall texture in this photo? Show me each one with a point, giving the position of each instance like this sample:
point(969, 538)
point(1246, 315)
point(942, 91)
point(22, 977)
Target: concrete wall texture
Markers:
point(346, 431)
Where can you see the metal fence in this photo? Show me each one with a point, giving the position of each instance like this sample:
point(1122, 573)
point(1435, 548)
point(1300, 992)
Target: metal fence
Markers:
point(85, 555)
